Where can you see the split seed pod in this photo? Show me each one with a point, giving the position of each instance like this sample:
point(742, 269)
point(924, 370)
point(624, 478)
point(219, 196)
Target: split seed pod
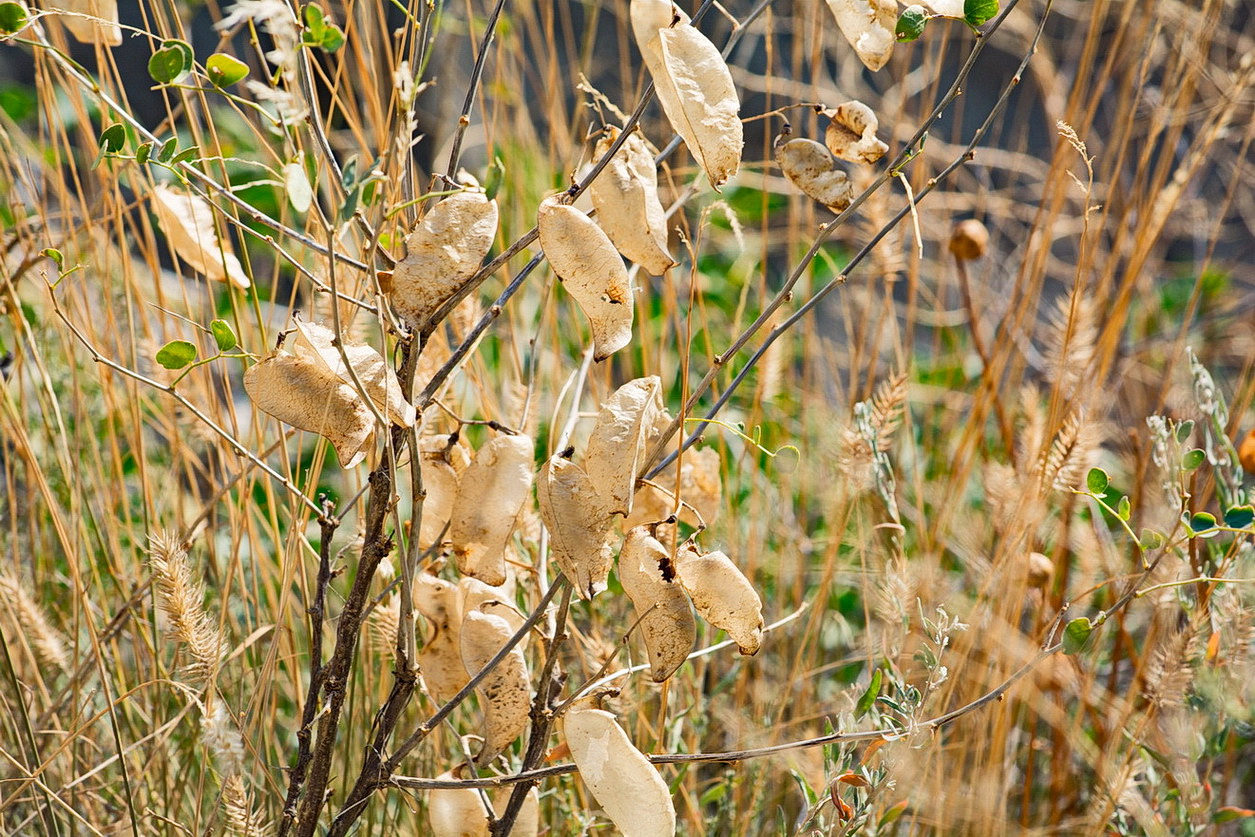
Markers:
point(869, 27)
point(578, 522)
point(852, 133)
point(662, 606)
point(104, 31)
point(459, 812)
point(811, 168)
point(617, 444)
point(723, 596)
point(440, 658)
point(693, 85)
point(441, 253)
point(188, 222)
point(505, 692)
point(624, 783)
point(592, 272)
point(490, 495)
point(626, 197)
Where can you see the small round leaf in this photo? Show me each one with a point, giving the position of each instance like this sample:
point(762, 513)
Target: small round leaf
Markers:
point(1097, 481)
point(1076, 635)
point(911, 24)
point(176, 354)
point(171, 63)
point(13, 17)
point(976, 12)
point(224, 336)
point(225, 70)
point(1191, 460)
point(1239, 517)
point(112, 138)
point(1202, 522)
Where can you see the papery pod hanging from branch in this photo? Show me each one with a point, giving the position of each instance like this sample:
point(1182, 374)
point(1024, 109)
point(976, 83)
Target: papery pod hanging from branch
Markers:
point(616, 448)
point(442, 466)
point(459, 812)
point(693, 85)
point(440, 658)
point(505, 692)
point(869, 27)
point(368, 366)
point(851, 134)
point(104, 31)
point(592, 272)
point(490, 495)
point(722, 595)
point(474, 594)
point(662, 607)
point(701, 487)
point(810, 167)
point(578, 522)
point(624, 783)
point(188, 222)
point(625, 195)
point(442, 252)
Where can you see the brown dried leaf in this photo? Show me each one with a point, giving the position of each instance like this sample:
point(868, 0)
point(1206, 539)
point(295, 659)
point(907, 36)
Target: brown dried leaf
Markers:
point(625, 195)
point(662, 606)
point(869, 27)
point(723, 596)
point(592, 272)
point(317, 342)
point(505, 692)
point(811, 168)
point(104, 31)
point(188, 222)
point(490, 495)
point(444, 250)
point(852, 133)
point(578, 521)
point(616, 447)
point(304, 394)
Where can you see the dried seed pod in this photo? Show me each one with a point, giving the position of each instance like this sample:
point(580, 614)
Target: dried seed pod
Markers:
point(945, 8)
point(592, 272)
point(869, 27)
point(969, 240)
point(104, 31)
point(459, 812)
point(621, 779)
point(474, 594)
point(701, 486)
point(812, 169)
point(662, 606)
point(369, 367)
point(723, 596)
point(490, 495)
point(441, 253)
point(303, 393)
point(625, 195)
point(527, 823)
point(505, 692)
point(851, 134)
point(616, 447)
point(442, 465)
point(440, 658)
point(578, 521)
point(188, 222)
point(693, 85)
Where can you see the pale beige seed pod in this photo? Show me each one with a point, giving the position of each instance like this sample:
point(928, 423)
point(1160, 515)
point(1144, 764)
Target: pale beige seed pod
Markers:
point(810, 167)
point(851, 134)
point(592, 272)
point(368, 366)
point(440, 658)
point(303, 393)
point(662, 607)
point(625, 195)
point(869, 27)
point(490, 495)
point(578, 521)
point(723, 596)
point(505, 692)
point(444, 250)
point(701, 487)
point(616, 448)
point(624, 783)
point(188, 222)
point(105, 31)
point(459, 812)
point(442, 466)
point(693, 85)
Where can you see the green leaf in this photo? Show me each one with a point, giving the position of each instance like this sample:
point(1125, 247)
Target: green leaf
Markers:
point(976, 12)
point(56, 255)
point(865, 702)
point(1123, 509)
point(1097, 481)
point(225, 70)
point(1239, 517)
point(224, 336)
point(332, 39)
point(167, 149)
point(176, 354)
point(172, 62)
point(892, 814)
point(1076, 635)
point(315, 21)
point(1151, 539)
point(143, 153)
point(1191, 460)
point(496, 176)
point(184, 155)
point(1184, 429)
point(911, 24)
point(1230, 813)
point(112, 139)
point(13, 17)
point(1202, 522)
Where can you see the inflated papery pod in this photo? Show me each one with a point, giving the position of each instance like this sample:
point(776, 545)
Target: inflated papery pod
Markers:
point(578, 522)
point(851, 134)
point(869, 27)
point(810, 167)
point(104, 31)
point(693, 85)
point(491, 493)
point(505, 692)
point(440, 658)
point(722, 595)
point(616, 447)
point(625, 195)
point(626, 786)
point(188, 222)
point(665, 617)
point(369, 368)
point(443, 463)
point(459, 812)
point(701, 487)
point(591, 270)
point(442, 252)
